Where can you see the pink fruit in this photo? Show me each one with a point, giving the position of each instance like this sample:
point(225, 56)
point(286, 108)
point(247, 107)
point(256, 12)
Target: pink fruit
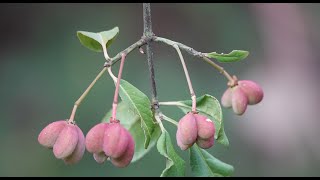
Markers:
point(226, 99)
point(127, 156)
point(180, 144)
point(206, 128)
point(239, 101)
point(253, 91)
point(66, 142)
point(94, 138)
point(187, 128)
point(77, 154)
point(50, 133)
point(115, 140)
point(205, 143)
point(100, 157)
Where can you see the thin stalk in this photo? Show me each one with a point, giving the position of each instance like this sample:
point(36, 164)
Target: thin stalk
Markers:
point(78, 102)
point(116, 92)
point(193, 95)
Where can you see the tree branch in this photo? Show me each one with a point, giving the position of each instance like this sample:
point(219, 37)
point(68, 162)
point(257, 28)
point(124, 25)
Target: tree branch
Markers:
point(148, 34)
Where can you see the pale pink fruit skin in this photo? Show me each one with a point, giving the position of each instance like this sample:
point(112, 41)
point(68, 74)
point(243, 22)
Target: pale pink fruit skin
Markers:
point(94, 138)
point(205, 143)
point(180, 144)
point(50, 133)
point(115, 140)
point(100, 157)
point(127, 156)
point(187, 128)
point(206, 128)
point(226, 99)
point(66, 142)
point(239, 101)
point(77, 154)
point(253, 91)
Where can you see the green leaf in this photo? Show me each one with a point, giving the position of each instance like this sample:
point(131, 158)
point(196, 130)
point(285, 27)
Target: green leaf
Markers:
point(131, 121)
point(95, 41)
point(175, 165)
point(235, 55)
point(210, 107)
point(204, 164)
point(222, 137)
point(140, 105)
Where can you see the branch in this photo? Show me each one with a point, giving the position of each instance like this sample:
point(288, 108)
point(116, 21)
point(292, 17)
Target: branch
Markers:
point(148, 34)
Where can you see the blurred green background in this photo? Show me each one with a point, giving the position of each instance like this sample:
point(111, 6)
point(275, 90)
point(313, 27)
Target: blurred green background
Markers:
point(44, 69)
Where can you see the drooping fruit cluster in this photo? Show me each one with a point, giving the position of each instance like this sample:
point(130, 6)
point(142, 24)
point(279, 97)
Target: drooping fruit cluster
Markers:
point(195, 128)
point(66, 139)
point(244, 92)
point(103, 140)
point(111, 140)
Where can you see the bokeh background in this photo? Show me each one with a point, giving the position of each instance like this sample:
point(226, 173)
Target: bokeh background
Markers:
point(44, 69)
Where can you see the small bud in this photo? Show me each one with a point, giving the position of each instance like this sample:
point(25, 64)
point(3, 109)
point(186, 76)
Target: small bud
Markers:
point(66, 142)
point(226, 99)
point(239, 101)
point(115, 140)
point(78, 152)
point(127, 156)
point(50, 133)
point(253, 91)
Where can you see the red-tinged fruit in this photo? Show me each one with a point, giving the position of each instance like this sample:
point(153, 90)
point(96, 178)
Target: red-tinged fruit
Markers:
point(115, 140)
point(205, 143)
point(206, 128)
point(77, 154)
point(187, 128)
point(94, 138)
point(252, 90)
point(127, 156)
point(50, 133)
point(239, 101)
point(66, 142)
point(226, 99)
point(100, 157)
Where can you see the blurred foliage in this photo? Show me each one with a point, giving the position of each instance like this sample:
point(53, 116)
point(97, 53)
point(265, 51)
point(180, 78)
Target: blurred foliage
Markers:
point(44, 69)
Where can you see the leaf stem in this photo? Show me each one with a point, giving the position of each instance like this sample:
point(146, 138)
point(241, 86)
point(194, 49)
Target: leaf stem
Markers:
point(116, 92)
point(105, 52)
point(78, 102)
point(172, 103)
point(164, 117)
point(193, 95)
point(195, 53)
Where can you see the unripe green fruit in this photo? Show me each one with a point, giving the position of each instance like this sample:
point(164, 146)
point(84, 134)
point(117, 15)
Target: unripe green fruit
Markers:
point(50, 133)
point(239, 101)
point(252, 90)
point(66, 142)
